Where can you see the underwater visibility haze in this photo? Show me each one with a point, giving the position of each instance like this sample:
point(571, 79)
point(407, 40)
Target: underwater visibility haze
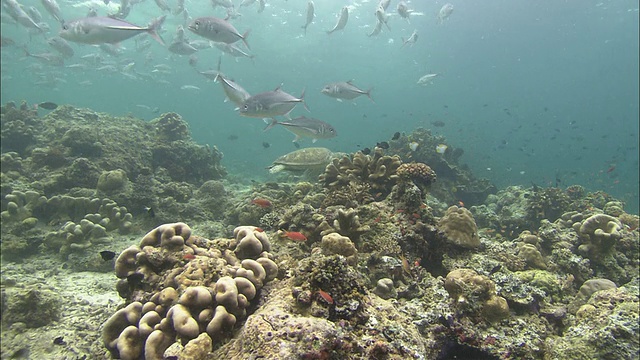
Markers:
point(296, 165)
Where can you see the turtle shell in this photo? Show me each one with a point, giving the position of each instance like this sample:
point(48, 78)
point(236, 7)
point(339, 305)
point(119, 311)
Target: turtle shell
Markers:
point(304, 159)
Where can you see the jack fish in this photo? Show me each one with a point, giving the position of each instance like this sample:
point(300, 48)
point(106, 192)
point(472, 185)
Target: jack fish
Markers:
point(53, 8)
point(101, 29)
point(304, 127)
point(218, 30)
point(403, 10)
point(310, 15)
point(411, 40)
point(342, 21)
point(271, 103)
point(345, 90)
point(235, 93)
point(444, 13)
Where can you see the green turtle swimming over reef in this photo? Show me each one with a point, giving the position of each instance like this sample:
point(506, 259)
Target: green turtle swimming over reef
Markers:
point(308, 160)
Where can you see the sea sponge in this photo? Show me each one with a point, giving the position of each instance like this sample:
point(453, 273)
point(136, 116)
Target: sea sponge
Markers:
point(245, 287)
point(459, 227)
point(147, 323)
point(129, 344)
point(253, 271)
point(250, 242)
point(169, 236)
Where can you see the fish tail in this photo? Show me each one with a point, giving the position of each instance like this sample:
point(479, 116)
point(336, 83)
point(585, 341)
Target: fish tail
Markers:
point(152, 29)
point(368, 93)
point(273, 123)
point(244, 38)
point(304, 103)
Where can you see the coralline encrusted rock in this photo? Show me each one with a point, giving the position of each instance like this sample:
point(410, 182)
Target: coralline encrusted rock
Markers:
point(185, 292)
point(459, 227)
point(476, 294)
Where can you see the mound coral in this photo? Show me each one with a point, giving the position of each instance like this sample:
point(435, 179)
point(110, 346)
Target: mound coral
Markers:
point(459, 227)
point(186, 290)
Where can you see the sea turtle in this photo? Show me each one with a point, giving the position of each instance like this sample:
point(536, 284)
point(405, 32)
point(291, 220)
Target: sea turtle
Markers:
point(309, 160)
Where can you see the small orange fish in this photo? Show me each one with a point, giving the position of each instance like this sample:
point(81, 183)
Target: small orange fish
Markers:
point(263, 203)
point(259, 229)
point(188, 257)
point(460, 203)
point(295, 236)
point(325, 296)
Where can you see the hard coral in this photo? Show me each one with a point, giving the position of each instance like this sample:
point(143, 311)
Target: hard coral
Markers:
point(459, 227)
point(420, 173)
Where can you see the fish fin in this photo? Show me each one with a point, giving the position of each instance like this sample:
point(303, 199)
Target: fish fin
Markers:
point(368, 93)
point(244, 38)
point(339, 100)
point(314, 140)
point(298, 138)
point(387, 23)
point(273, 123)
point(304, 103)
point(152, 29)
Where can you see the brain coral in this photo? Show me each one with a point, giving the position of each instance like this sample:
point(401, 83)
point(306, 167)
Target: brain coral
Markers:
point(459, 227)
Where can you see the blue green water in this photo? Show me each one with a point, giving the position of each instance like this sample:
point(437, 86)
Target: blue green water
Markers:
point(532, 91)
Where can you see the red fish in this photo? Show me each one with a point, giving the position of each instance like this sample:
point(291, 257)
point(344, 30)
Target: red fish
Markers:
point(263, 203)
point(326, 297)
point(259, 229)
point(188, 257)
point(295, 236)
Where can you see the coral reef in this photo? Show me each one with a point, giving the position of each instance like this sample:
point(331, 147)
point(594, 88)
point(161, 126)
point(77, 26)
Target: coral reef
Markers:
point(459, 227)
point(186, 289)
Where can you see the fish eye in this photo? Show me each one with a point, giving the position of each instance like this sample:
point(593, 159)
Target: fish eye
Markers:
point(246, 107)
point(65, 27)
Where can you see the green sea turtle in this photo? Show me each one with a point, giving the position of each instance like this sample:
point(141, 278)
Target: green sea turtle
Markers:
point(309, 160)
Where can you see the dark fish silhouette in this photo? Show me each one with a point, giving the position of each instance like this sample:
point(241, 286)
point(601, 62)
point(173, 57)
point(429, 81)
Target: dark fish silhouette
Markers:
point(48, 105)
point(266, 145)
point(396, 136)
point(366, 151)
point(135, 279)
point(107, 255)
point(232, 137)
point(383, 145)
point(438, 123)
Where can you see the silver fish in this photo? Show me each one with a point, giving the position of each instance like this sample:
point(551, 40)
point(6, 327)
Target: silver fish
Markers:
point(216, 29)
point(384, 4)
point(270, 104)
point(444, 13)
point(111, 49)
point(180, 45)
point(426, 79)
point(411, 40)
point(101, 29)
point(224, 3)
point(382, 16)
point(163, 5)
point(403, 10)
point(376, 30)
point(304, 127)
point(61, 45)
point(20, 16)
point(247, 3)
point(52, 8)
point(261, 6)
point(310, 15)
point(48, 58)
point(342, 21)
point(235, 93)
point(345, 90)
point(179, 7)
point(34, 14)
point(232, 50)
